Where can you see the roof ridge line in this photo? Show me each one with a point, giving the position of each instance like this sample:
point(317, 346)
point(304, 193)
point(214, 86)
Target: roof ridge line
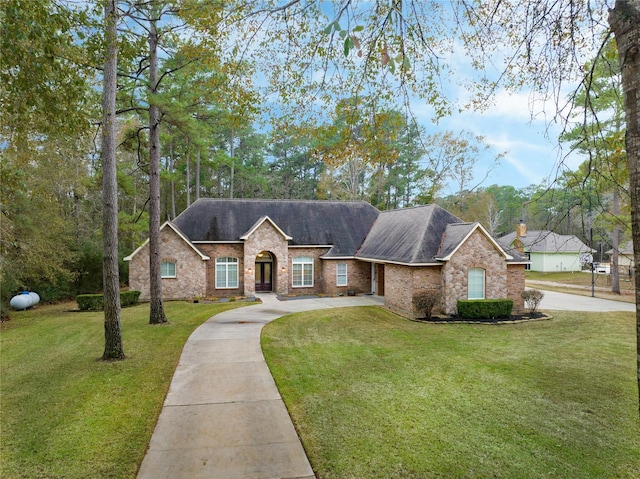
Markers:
point(417, 248)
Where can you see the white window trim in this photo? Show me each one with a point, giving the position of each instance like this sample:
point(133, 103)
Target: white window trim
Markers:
point(226, 264)
point(345, 274)
point(302, 261)
point(484, 282)
point(175, 270)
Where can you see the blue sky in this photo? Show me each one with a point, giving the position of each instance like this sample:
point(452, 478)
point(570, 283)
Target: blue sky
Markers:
point(529, 143)
point(515, 124)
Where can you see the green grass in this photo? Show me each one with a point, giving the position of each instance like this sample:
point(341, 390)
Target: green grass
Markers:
point(580, 284)
point(601, 280)
point(374, 395)
point(65, 413)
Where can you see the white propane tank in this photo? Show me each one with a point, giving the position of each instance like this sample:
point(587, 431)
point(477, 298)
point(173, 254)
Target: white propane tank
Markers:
point(24, 300)
point(35, 297)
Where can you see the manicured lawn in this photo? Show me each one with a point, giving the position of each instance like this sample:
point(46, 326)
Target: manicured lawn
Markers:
point(377, 396)
point(64, 413)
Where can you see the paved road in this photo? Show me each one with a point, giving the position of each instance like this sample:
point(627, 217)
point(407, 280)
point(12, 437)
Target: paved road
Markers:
point(573, 302)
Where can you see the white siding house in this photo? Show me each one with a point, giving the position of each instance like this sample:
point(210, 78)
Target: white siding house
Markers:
point(547, 251)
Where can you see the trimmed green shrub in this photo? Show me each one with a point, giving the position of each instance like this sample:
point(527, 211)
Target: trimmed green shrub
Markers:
point(129, 298)
point(95, 302)
point(90, 302)
point(484, 308)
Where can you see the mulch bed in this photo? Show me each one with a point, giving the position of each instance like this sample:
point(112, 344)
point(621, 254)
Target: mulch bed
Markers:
point(516, 318)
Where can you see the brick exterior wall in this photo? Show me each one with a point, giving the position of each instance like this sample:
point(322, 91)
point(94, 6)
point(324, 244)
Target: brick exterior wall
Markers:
point(515, 285)
point(196, 277)
point(191, 269)
point(266, 238)
point(358, 276)
point(215, 251)
point(476, 252)
point(397, 288)
point(318, 273)
point(403, 282)
point(502, 279)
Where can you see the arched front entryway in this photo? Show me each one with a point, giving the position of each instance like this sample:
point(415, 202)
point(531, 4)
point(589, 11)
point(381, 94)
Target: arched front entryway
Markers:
point(264, 271)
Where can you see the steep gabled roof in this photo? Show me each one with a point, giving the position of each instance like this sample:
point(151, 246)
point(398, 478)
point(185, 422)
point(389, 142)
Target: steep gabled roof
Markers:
point(182, 236)
point(453, 237)
point(625, 249)
point(545, 242)
point(342, 224)
point(408, 236)
point(457, 233)
point(259, 223)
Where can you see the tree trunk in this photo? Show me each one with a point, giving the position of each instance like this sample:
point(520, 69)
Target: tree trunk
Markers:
point(624, 19)
point(198, 175)
point(173, 181)
point(232, 155)
point(218, 181)
point(188, 178)
point(112, 323)
point(156, 309)
point(615, 243)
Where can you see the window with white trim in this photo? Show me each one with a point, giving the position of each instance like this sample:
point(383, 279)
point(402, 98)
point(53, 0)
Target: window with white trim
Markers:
point(302, 271)
point(168, 269)
point(475, 282)
point(341, 274)
point(226, 273)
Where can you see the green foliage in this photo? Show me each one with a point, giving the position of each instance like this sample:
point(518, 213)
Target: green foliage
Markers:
point(484, 308)
point(44, 78)
point(90, 302)
point(95, 302)
point(129, 298)
point(600, 182)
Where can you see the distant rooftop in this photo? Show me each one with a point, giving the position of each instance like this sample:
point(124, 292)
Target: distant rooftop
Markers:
point(542, 241)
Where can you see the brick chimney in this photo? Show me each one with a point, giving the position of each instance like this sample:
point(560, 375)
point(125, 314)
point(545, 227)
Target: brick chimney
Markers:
point(521, 229)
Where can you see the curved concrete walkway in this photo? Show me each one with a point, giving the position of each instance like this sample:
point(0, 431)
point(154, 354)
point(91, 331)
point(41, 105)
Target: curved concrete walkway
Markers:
point(223, 416)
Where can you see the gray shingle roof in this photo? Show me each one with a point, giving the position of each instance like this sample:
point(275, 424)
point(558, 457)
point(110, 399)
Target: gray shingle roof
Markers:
point(418, 235)
point(625, 249)
point(545, 242)
point(454, 234)
point(411, 235)
point(343, 224)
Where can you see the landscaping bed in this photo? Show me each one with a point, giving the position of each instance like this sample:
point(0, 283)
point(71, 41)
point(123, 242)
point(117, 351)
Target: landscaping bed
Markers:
point(514, 318)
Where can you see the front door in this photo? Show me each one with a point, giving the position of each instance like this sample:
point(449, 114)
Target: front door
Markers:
point(379, 279)
point(263, 276)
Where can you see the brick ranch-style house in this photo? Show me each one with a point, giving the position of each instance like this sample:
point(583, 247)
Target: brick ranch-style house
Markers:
point(237, 247)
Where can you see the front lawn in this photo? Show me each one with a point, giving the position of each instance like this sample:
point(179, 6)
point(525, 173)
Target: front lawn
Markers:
point(374, 395)
point(601, 281)
point(66, 414)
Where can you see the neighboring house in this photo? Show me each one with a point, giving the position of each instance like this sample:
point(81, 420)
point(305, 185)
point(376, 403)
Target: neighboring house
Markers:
point(547, 251)
point(218, 248)
point(625, 258)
